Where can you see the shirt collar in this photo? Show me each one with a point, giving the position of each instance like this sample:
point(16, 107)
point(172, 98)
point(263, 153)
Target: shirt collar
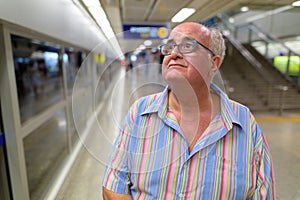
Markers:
point(227, 111)
point(159, 104)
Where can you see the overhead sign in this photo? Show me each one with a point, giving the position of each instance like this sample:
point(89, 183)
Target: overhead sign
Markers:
point(138, 31)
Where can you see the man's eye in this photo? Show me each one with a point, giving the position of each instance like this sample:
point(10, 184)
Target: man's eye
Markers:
point(188, 45)
point(168, 46)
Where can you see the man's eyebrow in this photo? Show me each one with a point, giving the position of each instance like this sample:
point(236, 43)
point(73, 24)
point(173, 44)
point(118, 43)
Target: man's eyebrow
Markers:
point(170, 40)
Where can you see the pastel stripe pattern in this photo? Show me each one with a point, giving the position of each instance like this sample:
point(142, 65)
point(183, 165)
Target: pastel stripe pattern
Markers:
point(151, 160)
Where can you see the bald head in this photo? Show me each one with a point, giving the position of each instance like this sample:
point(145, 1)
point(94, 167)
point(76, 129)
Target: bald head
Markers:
point(195, 30)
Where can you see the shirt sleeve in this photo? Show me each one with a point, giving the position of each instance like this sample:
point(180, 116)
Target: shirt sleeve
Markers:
point(265, 183)
point(116, 176)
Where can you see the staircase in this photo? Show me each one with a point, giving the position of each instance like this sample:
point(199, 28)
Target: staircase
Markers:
point(254, 82)
point(292, 95)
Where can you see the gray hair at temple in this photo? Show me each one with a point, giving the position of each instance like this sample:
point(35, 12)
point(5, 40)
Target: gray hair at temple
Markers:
point(217, 44)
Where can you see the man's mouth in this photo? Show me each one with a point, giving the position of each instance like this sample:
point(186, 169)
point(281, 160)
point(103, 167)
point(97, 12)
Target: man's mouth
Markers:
point(176, 65)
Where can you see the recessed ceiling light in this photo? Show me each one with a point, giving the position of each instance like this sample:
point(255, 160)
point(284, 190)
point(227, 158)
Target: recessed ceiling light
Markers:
point(296, 3)
point(183, 14)
point(244, 9)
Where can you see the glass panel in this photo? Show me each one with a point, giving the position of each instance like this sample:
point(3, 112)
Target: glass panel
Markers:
point(72, 61)
point(38, 75)
point(45, 149)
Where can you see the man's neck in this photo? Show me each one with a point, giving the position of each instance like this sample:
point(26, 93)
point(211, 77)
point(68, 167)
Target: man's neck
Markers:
point(190, 102)
point(194, 113)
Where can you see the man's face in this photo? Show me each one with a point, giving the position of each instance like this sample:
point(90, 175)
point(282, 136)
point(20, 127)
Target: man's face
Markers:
point(193, 68)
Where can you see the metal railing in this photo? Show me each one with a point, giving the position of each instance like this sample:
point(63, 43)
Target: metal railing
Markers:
point(228, 29)
point(254, 33)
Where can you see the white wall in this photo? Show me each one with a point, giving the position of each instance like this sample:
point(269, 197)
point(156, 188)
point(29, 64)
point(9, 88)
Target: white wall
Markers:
point(60, 19)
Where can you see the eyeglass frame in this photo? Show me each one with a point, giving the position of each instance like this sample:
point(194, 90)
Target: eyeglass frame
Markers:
point(177, 45)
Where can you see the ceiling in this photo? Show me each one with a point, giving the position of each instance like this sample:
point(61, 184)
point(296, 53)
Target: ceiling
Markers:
point(161, 11)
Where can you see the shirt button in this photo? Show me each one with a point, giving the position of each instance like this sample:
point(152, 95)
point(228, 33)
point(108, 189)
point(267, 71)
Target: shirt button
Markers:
point(181, 195)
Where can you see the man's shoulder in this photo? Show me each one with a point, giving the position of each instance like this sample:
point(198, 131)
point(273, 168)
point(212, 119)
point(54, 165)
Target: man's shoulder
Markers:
point(238, 111)
point(238, 106)
point(241, 111)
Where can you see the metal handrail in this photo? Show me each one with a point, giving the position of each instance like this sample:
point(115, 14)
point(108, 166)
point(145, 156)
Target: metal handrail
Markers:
point(268, 38)
point(264, 36)
point(257, 65)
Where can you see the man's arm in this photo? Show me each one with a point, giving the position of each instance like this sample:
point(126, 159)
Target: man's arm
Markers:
point(265, 183)
point(109, 195)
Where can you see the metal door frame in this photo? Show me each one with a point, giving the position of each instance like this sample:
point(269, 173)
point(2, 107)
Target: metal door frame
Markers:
point(11, 119)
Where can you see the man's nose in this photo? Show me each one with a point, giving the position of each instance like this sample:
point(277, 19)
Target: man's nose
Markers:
point(175, 52)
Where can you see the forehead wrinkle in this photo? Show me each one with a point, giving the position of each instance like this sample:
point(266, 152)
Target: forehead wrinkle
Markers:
point(183, 39)
point(196, 31)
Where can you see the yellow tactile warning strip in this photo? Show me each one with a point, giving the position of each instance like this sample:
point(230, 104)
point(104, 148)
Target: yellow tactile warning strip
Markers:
point(275, 119)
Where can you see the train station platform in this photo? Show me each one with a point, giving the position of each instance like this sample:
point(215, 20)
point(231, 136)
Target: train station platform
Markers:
point(65, 89)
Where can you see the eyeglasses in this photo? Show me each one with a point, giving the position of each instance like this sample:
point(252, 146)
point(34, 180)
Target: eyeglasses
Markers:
point(184, 47)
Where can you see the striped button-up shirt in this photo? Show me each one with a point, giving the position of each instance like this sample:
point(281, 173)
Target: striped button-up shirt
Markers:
point(151, 159)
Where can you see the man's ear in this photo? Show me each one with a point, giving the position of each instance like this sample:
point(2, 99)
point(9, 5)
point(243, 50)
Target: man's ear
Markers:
point(217, 61)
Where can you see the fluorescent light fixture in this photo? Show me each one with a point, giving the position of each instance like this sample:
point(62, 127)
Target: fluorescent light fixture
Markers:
point(244, 9)
point(141, 47)
point(296, 3)
point(101, 20)
point(91, 3)
point(183, 14)
point(231, 20)
point(147, 42)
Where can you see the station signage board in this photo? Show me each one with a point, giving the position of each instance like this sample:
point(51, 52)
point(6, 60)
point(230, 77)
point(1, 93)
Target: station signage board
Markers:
point(142, 31)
